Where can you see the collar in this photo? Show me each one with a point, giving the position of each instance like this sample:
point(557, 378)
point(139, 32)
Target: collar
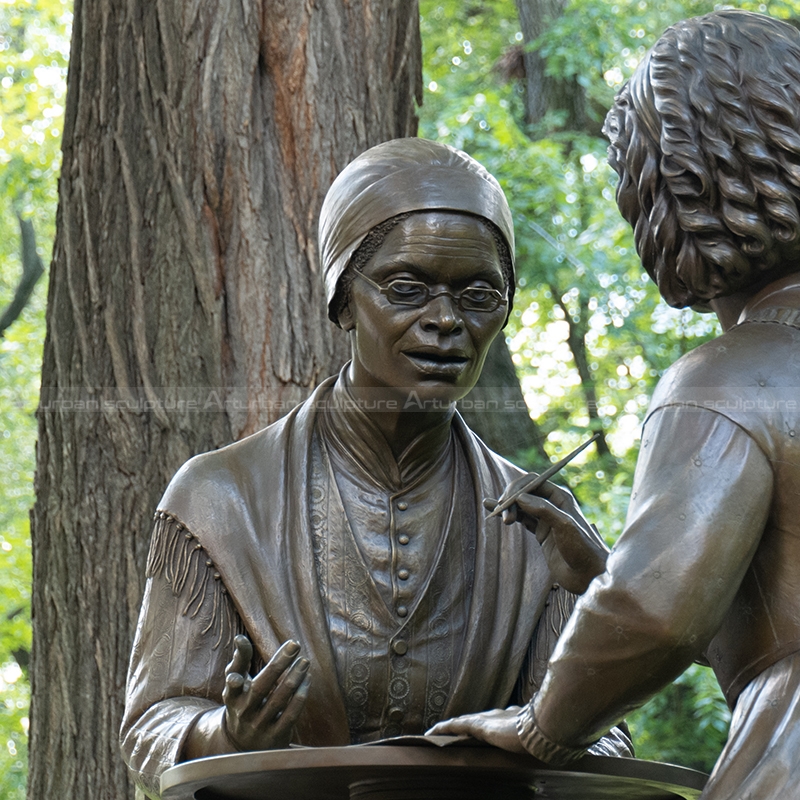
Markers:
point(352, 431)
point(777, 302)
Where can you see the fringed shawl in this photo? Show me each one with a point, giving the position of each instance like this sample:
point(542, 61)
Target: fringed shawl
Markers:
point(247, 508)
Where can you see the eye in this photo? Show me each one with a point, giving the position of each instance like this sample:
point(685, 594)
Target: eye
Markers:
point(479, 298)
point(407, 292)
point(477, 294)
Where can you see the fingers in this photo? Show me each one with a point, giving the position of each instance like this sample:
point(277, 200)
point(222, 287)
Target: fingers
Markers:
point(236, 670)
point(516, 486)
point(266, 679)
point(531, 506)
point(457, 726)
point(234, 686)
point(282, 728)
point(538, 527)
point(242, 656)
point(469, 723)
point(558, 495)
point(284, 691)
point(250, 694)
point(261, 711)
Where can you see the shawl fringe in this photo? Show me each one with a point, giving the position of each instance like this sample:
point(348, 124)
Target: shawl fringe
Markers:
point(178, 556)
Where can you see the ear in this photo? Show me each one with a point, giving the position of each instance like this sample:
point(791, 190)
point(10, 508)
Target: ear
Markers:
point(346, 318)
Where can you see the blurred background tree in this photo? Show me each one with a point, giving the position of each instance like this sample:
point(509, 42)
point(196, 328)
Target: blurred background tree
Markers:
point(521, 86)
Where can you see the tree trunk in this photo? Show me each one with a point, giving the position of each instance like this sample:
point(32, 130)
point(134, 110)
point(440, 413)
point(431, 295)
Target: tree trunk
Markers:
point(185, 305)
point(546, 94)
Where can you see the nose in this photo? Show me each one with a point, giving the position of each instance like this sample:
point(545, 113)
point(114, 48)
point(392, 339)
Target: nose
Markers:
point(442, 315)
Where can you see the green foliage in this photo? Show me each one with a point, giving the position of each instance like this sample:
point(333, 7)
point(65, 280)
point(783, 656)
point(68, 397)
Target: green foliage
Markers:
point(19, 389)
point(579, 280)
point(693, 704)
point(579, 277)
point(34, 42)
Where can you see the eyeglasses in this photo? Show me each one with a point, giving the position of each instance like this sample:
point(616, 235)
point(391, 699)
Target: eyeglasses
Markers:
point(401, 292)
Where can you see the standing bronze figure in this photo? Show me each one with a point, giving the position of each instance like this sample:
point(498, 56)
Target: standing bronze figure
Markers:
point(344, 549)
point(706, 140)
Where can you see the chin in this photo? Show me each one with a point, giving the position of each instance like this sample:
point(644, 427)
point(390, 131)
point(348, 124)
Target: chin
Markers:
point(434, 395)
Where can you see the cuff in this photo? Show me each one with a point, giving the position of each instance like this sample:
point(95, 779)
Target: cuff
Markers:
point(537, 744)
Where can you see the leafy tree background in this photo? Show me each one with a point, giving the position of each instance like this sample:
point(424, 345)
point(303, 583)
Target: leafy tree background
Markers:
point(589, 336)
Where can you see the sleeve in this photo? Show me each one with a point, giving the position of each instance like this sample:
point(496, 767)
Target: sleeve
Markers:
point(183, 643)
point(558, 609)
point(701, 497)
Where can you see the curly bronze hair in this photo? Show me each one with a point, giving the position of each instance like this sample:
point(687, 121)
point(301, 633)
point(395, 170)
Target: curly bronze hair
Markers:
point(706, 140)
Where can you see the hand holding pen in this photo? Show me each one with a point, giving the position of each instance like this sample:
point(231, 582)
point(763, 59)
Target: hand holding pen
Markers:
point(574, 550)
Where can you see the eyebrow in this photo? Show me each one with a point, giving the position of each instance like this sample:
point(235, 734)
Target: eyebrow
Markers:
point(487, 273)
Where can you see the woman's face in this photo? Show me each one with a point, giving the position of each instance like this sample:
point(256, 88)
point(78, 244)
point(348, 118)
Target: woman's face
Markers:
point(434, 352)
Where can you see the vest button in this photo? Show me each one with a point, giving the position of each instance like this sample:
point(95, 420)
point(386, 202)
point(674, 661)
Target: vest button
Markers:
point(402, 505)
point(400, 647)
point(403, 539)
point(396, 714)
point(403, 574)
point(402, 611)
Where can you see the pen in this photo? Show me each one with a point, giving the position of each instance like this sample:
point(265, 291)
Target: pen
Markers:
point(537, 480)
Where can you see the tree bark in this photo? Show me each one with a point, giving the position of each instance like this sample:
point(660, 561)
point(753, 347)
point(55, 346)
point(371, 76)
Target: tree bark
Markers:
point(185, 305)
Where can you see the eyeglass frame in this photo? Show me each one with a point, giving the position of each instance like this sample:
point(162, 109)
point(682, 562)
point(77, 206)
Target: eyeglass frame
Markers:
point(455, 296)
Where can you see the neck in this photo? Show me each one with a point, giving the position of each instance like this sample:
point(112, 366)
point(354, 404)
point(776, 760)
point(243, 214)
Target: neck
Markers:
point(728, 309)
point(401, 419)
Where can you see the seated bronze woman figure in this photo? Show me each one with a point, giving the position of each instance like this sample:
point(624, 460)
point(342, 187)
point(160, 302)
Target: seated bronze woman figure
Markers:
point(332, 579)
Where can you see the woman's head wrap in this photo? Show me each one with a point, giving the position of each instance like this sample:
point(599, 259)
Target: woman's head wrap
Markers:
point(397, 177)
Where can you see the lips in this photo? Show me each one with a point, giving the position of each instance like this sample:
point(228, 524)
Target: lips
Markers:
point(433, 359)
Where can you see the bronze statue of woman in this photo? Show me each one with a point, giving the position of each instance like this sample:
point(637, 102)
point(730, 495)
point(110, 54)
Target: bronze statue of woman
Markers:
point(706, 140)
point(332, 579)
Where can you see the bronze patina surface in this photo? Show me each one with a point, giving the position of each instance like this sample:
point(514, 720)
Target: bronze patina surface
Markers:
point(332, 580)
point(706, 140)
point(423, 773)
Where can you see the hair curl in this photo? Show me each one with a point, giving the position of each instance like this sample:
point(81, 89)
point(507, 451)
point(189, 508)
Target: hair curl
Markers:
point(376, 237)
point(706, 140)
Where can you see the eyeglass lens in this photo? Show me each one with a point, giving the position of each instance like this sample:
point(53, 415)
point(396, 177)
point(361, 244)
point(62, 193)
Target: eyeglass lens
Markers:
point(415, 293)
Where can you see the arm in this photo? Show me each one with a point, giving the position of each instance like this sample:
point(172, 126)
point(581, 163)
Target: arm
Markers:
point(700, 501)
point(186, 696)
point(177, 667)
point(499, 726)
